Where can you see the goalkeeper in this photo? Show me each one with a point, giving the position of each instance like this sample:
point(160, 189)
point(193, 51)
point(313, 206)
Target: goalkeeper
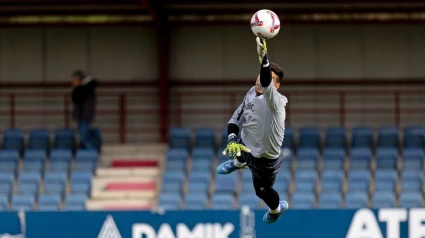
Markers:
point(261, 122)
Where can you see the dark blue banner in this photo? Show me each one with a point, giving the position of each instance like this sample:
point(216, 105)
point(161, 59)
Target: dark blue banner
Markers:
point(245, 223)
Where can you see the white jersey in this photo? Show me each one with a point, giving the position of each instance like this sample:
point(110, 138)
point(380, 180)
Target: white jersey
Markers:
point(261, 120)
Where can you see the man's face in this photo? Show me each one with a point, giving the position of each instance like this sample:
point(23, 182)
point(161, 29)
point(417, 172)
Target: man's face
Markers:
point(275, 83)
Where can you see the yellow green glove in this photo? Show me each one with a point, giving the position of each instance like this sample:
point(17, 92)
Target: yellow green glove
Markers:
point(261, 48)
point(234, 149)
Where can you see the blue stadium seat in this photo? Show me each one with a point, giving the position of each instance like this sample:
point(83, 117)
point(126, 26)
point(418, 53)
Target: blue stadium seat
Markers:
point(226, 184)
point(286, 165)
point(388, 137)
point(197, 188)
point(4, 202)
point(34, 166)
point(5, 189)
point(172, 186)
point(177, 154)
point(55, 177)
point(61, 155)
point(224, 138)
point(305, 187)
point(23, 202)
point(180, 138)
point(411, 199)
point(360, 158)
point(302, 200)
point(74, 207)
point(412, 175)
point(85, 166)
point(201, 165)
point(386, 158)
point(386, 175)
point(59, 166)
point(331, 175)
point(222, 201)
point(307, 158)
point(9, 155)
point(333, 158)
point(169, 201)
point(54, 188)
point(413, 158)
point(8, 166)
point(247, 177)
point(250, 200)
point(385, 186)
point(383, 199)
point(309, 137)
point(306, 164)
point(306, 176)
point(175, 165)
point(199, 177)
point(331, 186)
point(330, 200)
point(362, 137)
point(35, 155)
point(81, 177)
point(75, 200)
point(335, 137)
point(7, 177)
point(49, 202)
point(332, 180)
point(248, 188)
point(195, 201)
point(28, 188)
point(13, 139)
point(87, 155)
point(173, 176)
point(80, 188)
point(29, 178)
point(414, 137)
point(39, 139)
point(203, 154)
point(205, 138)
point(358, 180)
point(288, 140)
point(64, 139)
point(280, 186)
point(411, 186)
point(356, 199)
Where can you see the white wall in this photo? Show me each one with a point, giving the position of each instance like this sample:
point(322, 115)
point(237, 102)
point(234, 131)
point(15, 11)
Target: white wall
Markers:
point(51, 54)
point(305, 51)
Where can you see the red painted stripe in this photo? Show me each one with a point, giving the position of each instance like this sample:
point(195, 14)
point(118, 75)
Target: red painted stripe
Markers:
point(130, 186)
point(134, 163)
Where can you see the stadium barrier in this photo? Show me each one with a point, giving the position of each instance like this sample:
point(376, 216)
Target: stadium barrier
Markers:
point(244, 223)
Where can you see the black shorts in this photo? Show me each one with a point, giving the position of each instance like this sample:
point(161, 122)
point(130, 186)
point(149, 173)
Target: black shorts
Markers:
point(263, 170)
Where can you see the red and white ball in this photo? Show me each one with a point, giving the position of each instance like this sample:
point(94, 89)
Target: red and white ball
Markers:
point(265, 24)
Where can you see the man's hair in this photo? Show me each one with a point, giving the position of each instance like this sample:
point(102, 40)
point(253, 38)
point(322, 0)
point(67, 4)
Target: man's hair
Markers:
point(79, 74)
point(277, 70)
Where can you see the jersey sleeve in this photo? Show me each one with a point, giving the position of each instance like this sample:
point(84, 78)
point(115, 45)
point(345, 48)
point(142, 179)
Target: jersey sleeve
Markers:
point(237, 117)
point(275, 101)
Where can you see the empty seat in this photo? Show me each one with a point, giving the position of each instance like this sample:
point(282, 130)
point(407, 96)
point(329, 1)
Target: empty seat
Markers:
point(280, 186)
point(330, 200)
point(226, 184)
point(248, 188)
point(9, 155)
point(5, 189)
point(201, 165)
point(173, 176)
point(356, 199)
point(335, 137)
point(331, 180)
point(414, 137)
point(55, 177)
point(85, 166)
point(199, 177)
point(87, 155)
point(411, 199)
point(197, 188)
point(180, 138)
point(203, 154)
point(305, 187)
point(39, 139)
point(195, 201)
point(61, 155)
point(23, 202)
point(249, 200)
point(8, 166)
point(224, 138)
point(167, 199)
point(59, 166)
point(175, 165)
point(306, 176)
point(29, 178)
point(411, 185)
point(13, 139)
point(30, 189)
point(383, 199)
point(177, 154)
point(64, 139)
point(205, 137)
point(362, 137)
point(81, 177)
point(309, 137)
point(35, 166)
point(4, 202)
point(413, 158)
point(386, 158)
point(308, 154)
point(75, 200)
point(80, 188)
point(7, 178)
point(75, 207)
point(35, 155)
point(54, 188)
point(49, 202)
point(288, 140)
point(172, 186)
point(222, 201)
point(50, 208)
point(358, 180)
point(360, 158)
point(303, 200)
point(388, 137)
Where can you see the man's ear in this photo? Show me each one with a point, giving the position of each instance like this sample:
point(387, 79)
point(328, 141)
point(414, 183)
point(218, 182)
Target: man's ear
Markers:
point(277, 85)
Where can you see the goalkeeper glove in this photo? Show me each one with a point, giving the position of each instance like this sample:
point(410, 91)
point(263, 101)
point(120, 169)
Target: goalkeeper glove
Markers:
point(234, 149)
point(261, 48)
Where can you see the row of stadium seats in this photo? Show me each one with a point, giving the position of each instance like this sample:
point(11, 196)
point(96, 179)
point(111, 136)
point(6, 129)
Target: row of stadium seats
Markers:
point(14, 139)
point(310, 137)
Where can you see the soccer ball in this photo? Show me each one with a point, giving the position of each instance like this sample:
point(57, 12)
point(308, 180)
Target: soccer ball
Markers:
point(265, 24)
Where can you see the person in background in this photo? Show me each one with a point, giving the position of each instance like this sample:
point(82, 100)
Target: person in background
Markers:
point(84, 102)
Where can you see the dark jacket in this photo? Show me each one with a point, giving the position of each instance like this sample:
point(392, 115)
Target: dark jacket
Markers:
point(84, 100)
